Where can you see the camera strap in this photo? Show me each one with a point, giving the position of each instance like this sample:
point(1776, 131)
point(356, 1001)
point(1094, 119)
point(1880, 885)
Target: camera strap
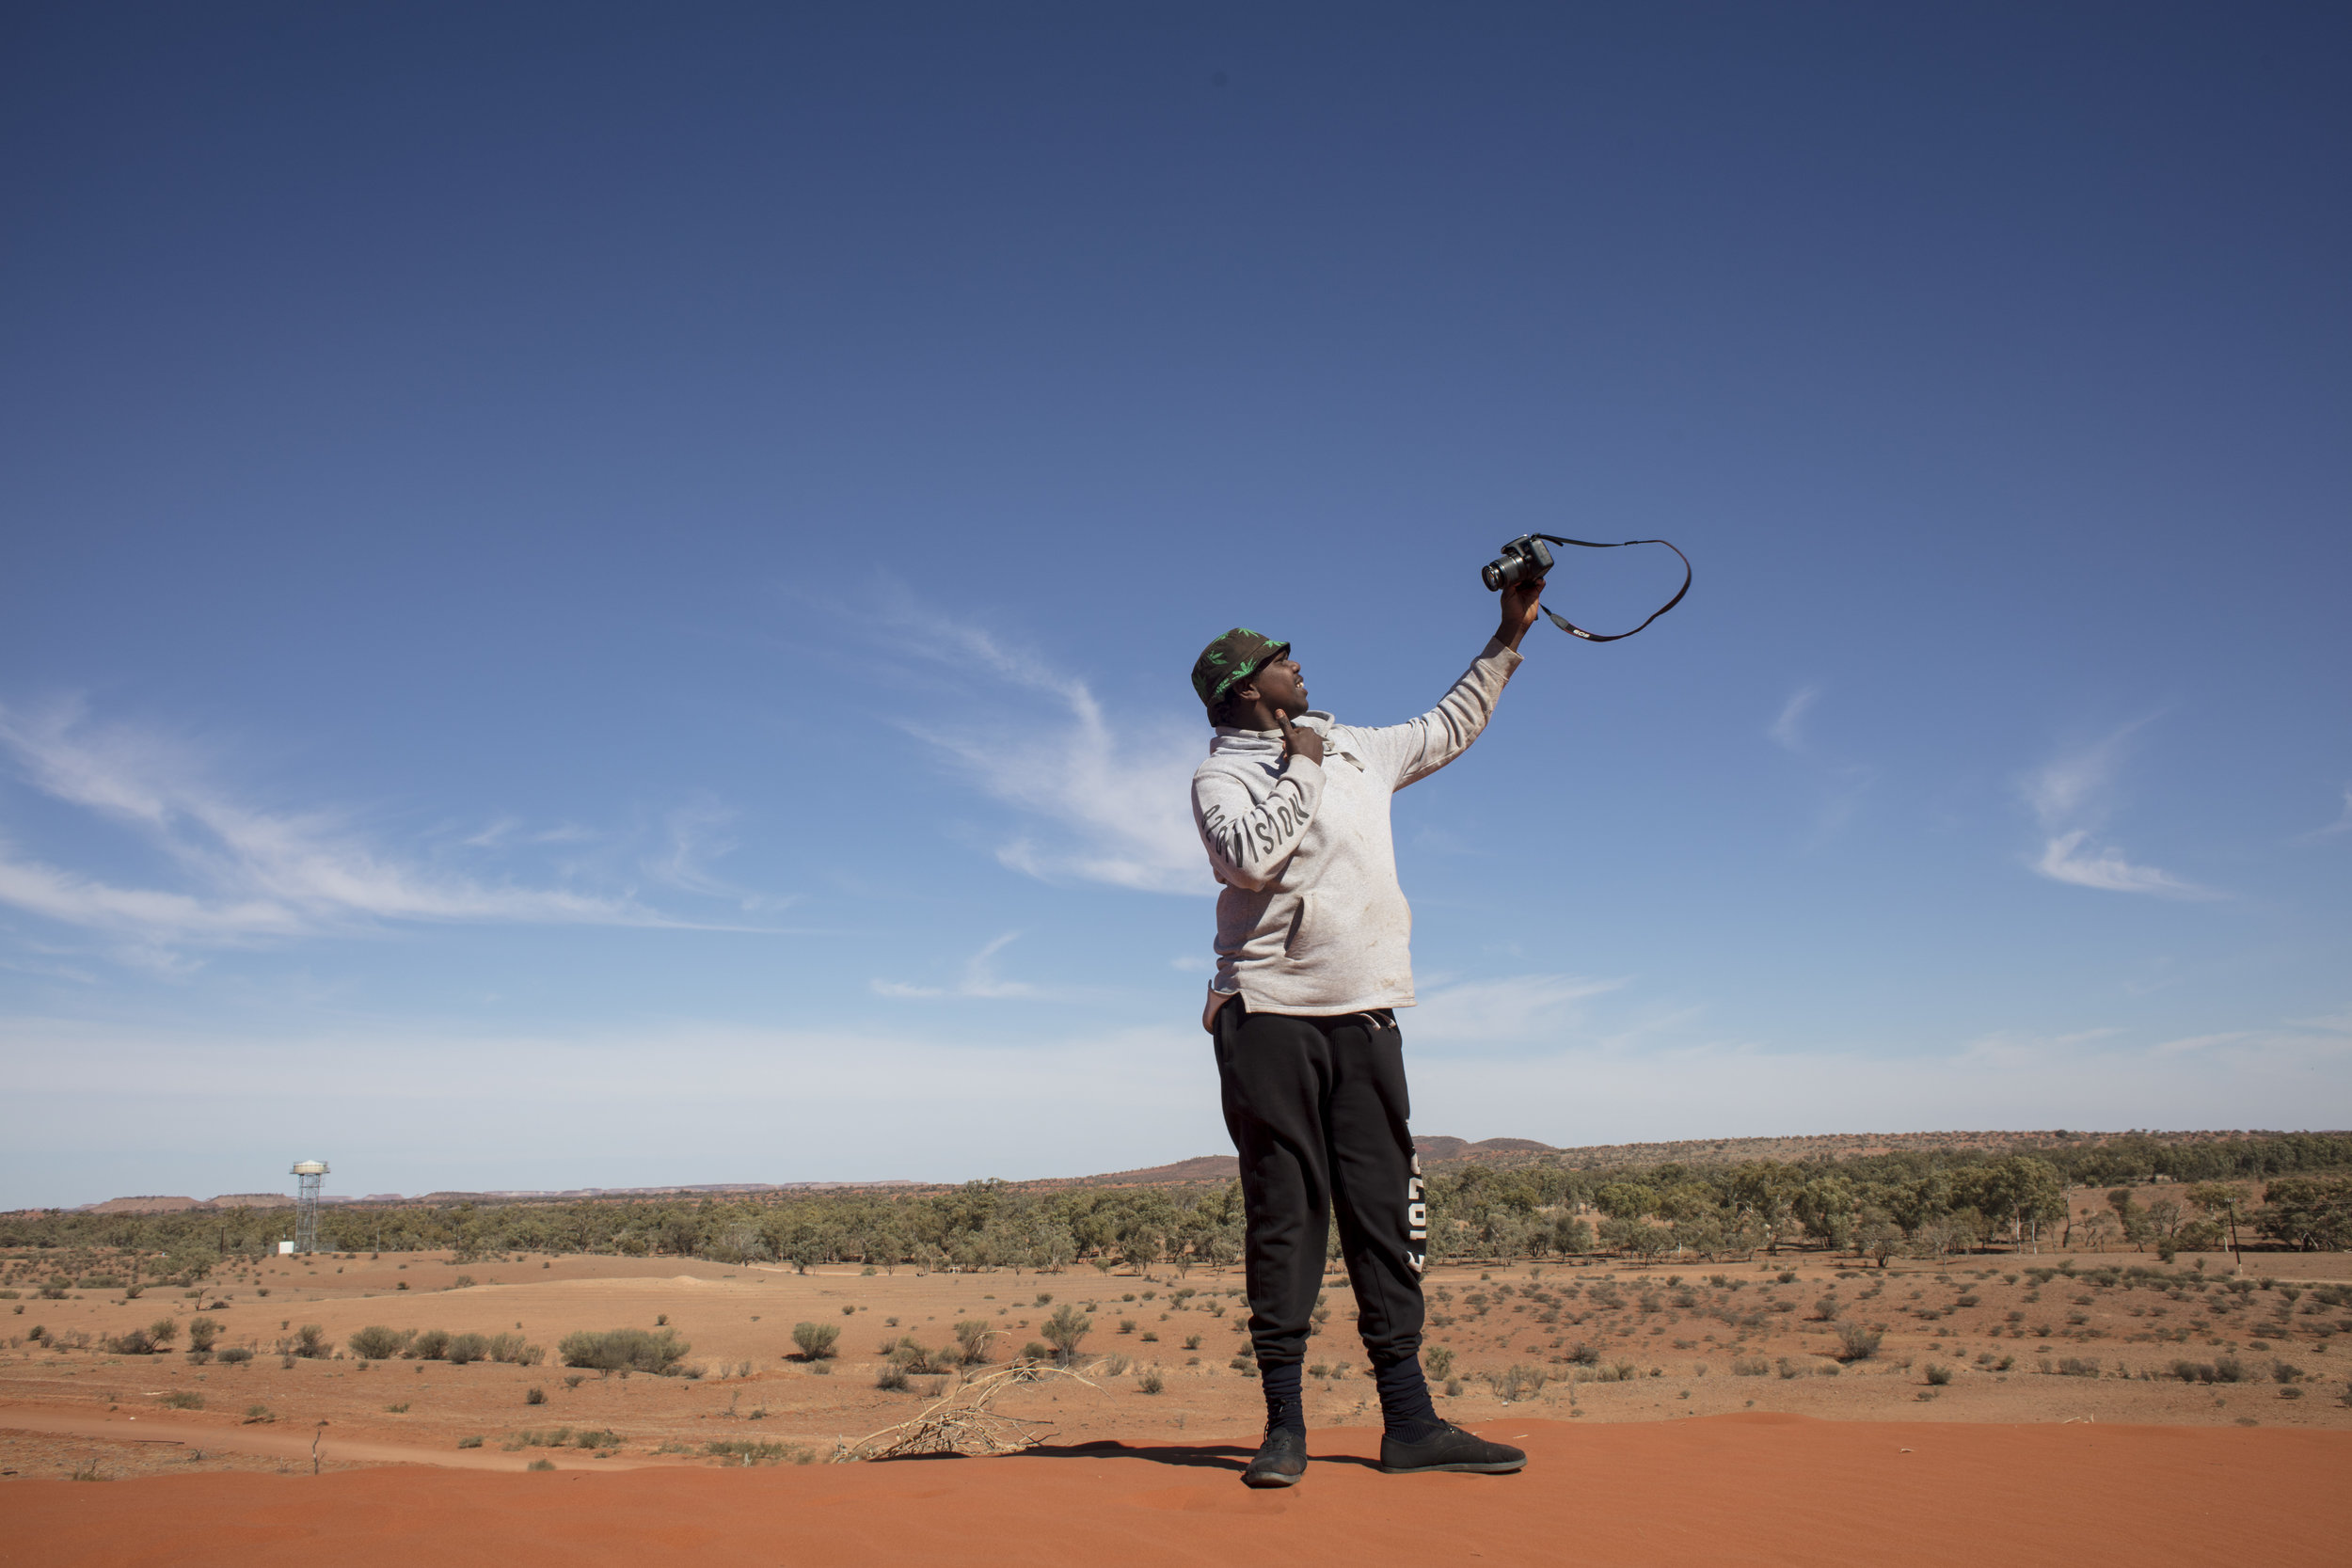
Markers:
point(1573, 630)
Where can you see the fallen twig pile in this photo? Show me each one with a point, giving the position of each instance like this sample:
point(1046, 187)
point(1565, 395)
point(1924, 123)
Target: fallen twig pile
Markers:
point(961, 1421)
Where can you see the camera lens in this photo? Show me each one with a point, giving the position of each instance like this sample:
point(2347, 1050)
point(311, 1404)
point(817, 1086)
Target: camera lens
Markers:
point(1491, 573)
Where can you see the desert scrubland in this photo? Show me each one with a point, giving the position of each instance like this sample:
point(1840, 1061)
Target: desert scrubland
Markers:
point(2087, 1385)
point(2079, 1337)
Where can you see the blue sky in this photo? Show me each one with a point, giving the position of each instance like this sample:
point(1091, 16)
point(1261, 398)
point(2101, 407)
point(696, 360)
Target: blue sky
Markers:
point(602, 595)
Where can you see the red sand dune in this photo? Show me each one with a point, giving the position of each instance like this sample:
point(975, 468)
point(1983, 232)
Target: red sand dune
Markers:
point(1726, 1490)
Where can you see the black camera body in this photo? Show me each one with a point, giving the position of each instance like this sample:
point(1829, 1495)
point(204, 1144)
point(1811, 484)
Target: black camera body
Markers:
point(1521, 560)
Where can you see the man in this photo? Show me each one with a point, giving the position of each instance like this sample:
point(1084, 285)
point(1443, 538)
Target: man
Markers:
point(1314, 957)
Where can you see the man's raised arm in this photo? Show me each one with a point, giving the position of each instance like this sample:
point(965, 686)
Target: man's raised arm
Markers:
point(1419, 746)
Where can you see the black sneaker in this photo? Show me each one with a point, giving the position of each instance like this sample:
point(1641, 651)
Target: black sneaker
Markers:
point(1281, 1461)
point(1452, 1449)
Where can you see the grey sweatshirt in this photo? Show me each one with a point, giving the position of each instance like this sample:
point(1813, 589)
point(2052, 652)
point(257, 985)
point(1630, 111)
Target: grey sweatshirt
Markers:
point(1311, 920)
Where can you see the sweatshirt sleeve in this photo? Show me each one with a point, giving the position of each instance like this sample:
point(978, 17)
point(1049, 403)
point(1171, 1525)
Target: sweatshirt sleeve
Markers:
point(1249, 841)
point(1419, 746)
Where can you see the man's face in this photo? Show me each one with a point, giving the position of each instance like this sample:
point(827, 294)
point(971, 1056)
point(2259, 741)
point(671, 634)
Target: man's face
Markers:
point(1280, 685)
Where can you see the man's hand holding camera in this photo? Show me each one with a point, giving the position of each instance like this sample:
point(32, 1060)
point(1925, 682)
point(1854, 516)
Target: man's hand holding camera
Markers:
point(1520, 605)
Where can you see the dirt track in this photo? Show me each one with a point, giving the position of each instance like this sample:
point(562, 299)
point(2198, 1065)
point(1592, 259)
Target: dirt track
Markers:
point(1734, 1489)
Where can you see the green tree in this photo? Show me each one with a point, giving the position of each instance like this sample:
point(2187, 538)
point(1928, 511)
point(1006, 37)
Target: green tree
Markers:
point(1878, 1238)
point(2218, 1204)
point(1625, 1200)
point(1910, 1201)
point(1825, 1207)
point(2312, 1213)
point(1764, 1193)
point(2130, 1216)
point(1637, 1236)
point(2019, 1191)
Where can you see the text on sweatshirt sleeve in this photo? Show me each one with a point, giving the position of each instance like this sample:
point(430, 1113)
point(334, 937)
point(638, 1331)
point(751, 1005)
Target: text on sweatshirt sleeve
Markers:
point(1250, 840)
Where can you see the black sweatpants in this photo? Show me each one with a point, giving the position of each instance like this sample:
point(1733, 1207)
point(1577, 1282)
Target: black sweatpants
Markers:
point(1317, 1108)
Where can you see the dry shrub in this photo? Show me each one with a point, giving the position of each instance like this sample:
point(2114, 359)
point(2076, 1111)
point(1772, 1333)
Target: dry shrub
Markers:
point(377, 1342)
point(1521, 1381)
point(621, 1350)
point(1858, 1341)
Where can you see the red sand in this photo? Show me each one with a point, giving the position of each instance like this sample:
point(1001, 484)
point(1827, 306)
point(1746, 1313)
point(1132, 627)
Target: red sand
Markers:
point(1734, 1489)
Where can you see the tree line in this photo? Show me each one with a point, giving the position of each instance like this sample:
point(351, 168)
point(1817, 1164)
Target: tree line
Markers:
point(2287, 1188)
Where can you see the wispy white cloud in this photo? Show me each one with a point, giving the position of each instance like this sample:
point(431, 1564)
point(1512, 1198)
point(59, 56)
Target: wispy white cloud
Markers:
point(1787, 730)
point(2006, 1051)
point(513, 829)
point(2327, 1036)
point(2071, 857)
point(1845, 784)
point(1512, 1009)
point(2343, 824)
point(51, 969)
point(1106, 803)
point(239, 873)
point(2073, 783)
point(2069, 795)
point(698, 837)
point(979, 981)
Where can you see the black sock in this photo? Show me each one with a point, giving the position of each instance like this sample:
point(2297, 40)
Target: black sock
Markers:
point(1405, 1408)
point(1283, 1406)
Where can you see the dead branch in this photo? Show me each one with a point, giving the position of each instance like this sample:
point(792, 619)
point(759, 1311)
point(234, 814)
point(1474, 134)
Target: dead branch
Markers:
point(961, 1420)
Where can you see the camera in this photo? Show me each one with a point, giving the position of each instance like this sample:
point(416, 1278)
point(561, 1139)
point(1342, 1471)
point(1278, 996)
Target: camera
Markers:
point(1521, 558)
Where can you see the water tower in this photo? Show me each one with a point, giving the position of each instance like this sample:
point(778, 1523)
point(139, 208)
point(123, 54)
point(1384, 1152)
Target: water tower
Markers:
point(307, 1204)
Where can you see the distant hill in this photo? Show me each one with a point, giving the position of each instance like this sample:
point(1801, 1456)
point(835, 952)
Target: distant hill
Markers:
point(716, 1189)
point(1438, 1152)
point(284, 1200)
point(1200, 1167)
point(1819, 1146)
point(143, 1206)
point(182, 1205)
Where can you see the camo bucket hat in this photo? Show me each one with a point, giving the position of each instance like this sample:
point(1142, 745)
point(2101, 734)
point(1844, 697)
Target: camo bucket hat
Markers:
point(1231, 659)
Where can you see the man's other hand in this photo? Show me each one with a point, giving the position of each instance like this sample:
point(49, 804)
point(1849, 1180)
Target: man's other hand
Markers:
point(1520, 605)
point(1298, 740)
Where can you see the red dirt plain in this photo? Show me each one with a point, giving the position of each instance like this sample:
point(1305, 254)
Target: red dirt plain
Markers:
point(1725, 1434)
point(1753, 1488)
